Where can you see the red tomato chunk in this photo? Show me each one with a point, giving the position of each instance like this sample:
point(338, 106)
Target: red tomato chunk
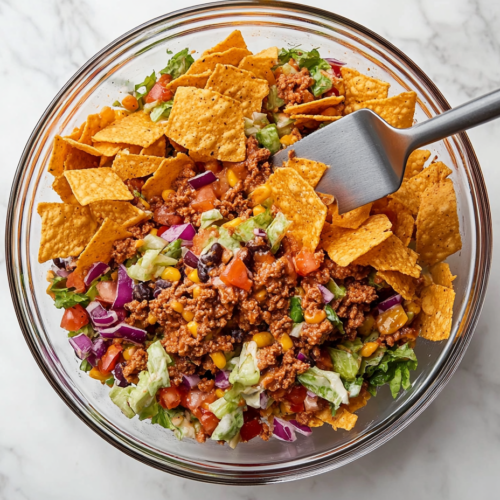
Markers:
point(74, 318)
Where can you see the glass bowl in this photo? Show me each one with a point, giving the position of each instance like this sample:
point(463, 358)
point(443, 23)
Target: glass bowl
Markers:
point(96, 84)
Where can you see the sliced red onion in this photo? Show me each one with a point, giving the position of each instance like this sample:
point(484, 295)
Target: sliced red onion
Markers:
point(260, 232)
point(191, 259)
point(81, 344)
point(187, 243)
point(124, 331)
point(121, 313)
point(302, 357)
point(202, 180)
point(120, 379)
point(327, 295)
point(96, 271)
point(181, 231)
point(62, 273)
point(283, 430)
point(302, 429)
point(311, 394)
point(100, 347)
point(222, 379)
point(335, 62)
point(100, 316)
point(264, 400)
point(92, 359)
point(190, 381)
point(125, 288)
point(390, 302)
point(311, 404)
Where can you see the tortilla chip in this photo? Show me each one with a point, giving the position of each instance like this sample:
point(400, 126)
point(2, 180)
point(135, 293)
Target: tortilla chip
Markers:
point(198, 157)
point(315, 422)
point(441, 275)
point(260, 67)
point(121, 212)
point(66, 229)
point(208, 122)
point(91, 127)
point(301, 119)
point(271, 52)
point(410, 192)
point(300, 204)
point(101, 245)
point(346, 245)
point(158, 148)
point(234, 39)
point(352, 219)
point(360, 88)
point(403, 223)
point(327, 199)
point(401, 283)
point(77, 133)
point(380, 205)
point(438, 228)
point(437, 312)
point(169, 170)
point(198, 81)
point(96, 184)
point(314, 107)
point(397, 110)
point(358, 402)
point(109, 148)
point(416, 161)
point(60, 150)
point(133, 166)
point(63, 189)
point(137, 129)
point(392, 255)
point(240, 85)
point(83, 147)
point(311, 171)
point(78, 160)
point(209, 62)
point(343, 419)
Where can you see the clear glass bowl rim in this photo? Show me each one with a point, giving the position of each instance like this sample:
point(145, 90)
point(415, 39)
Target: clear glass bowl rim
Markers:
point(403, 417)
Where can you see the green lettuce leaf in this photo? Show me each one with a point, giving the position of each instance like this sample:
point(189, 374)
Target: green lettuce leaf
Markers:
point(163, 110)
point(178, 64)
point(269, 138)
point(66, 298)
point(209, 217)
point(337, 290)
point(142, 89)
point(227, 241)
point(158, 361)
point(244, 231)
point(150, 411)
point(140, 397)
point(346, 364)
point(276, 231)
point(229, 426)
point(331, 315)
point(246, 371)
point(296, 310)
point(273, 101)
point(222, 407)
point(120, 397)
point(325, 384)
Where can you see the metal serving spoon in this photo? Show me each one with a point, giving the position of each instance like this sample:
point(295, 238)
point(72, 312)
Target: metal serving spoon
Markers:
point(367, 157)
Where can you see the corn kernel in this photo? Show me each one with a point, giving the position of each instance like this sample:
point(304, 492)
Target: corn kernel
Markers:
point(288, 140)
point(412, 307)
point(153, 231)
point(232, 179)
point(114, 275)
point(286, 342)
point(259, 209)
point(193, 276)
point(263, 339)
point(219, 359)
point(166, 193)
point(177, 306)
point(188, 315)
point(139, 243)
point(196, 291)
point(145, 204)
point(368, 349)
point(171, 274)
point(152, 319)
point(233, 223)
point(315, 318)
point(261, 193)
point(97, 375)
point(219, 393)
point(127, 353)
point(367, 326)
point(261, 295)
point(192, 326)
point(392, 320)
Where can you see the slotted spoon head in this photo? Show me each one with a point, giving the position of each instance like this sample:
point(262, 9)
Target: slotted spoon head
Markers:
point(366, 157)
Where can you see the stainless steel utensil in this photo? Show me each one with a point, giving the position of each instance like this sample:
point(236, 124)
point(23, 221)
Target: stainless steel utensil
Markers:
point(367, 157)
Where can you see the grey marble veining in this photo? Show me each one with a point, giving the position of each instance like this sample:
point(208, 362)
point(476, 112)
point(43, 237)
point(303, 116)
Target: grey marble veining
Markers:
point(452, 451)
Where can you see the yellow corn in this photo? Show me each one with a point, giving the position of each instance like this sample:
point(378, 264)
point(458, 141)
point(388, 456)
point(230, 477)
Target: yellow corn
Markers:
point(166, 193)
point(288, 140)
point(261, 193)
point(219, 393)
point(97, 375)
point(177, 306)
point(139, 243)
point(261, 295)
point(315, 318)
point(219, 359)
point(193, 276)
point(263, 339)
point(196, 291)
point(152, 319)
point(145, 204)
point(114, 275)
point(188, 315)
point(171, 274)
point(392, 320)
point(153, 231)
point(192, 326)
point(286, 342)
point(233, 223)
point(259, 209)
point(368, 349)
point(231, 178)
point(127, 353)
point(412, 307)
point(367, 326)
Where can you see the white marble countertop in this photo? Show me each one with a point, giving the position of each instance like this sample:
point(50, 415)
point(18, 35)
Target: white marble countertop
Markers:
point(46, 453)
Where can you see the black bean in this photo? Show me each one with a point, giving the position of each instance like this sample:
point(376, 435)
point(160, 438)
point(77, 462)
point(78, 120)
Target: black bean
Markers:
point(161, 285)
point(203, 271)
point(258, 244)
point(246, 255)
point(213, 256)
point(59, 263)
point(142, 292)
point(237, 333)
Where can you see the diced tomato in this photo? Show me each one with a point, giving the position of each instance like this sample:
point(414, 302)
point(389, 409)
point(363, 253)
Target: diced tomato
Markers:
point(250, 414)
point(213, 165)
point(201, 239)
point(165, 79)
point(333, 91)
point(75, 280)
point(159, 93)
point(107, 291)
point(195, 398)
point(240, 170)
point(169, 397)
point(110, 358)
point(221, 185)
point(250, 429)
point(74, 318)
point(297, 395)
point(208, 420)
point(236, 274)
point(324, 361)
point(305, 262)
point(204, 199)
point(162, 230)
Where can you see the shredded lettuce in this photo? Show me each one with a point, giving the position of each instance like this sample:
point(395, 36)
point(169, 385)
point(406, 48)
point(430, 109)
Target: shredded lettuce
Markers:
point(337, 290)
point(245, 230)
point(209, 217)
point(140, 397)
point(296, 310)
point(229, 426)
point(297, 328)
point(273, 101)
point(222, 407)
point(256, 123)
point(353, 387)
point(277, 230)
point(66, 298)
point(178, 64)
point(150, 411)
point(331, 315)
point(269, 138)
point(284, 123)
point(149, 265)
point(251, 395)
point(325, 384)
point(227, 241)
point(173, 250)
point(246, 371)
point(345, 363)
point(142, 89)
point(158, 361)
point(161, 111)
point(120, 397)
point(175, 421)
point(152, 242)
point(373, 360)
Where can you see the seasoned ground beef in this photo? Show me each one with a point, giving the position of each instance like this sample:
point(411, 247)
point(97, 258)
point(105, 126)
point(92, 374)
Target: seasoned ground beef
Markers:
point(139, 312)
point(123, 250)
point(268, 356)
point(137, 362)
point(407, 333)
point(283, 376)
point(182, 366)
point(141, 230)
point(206, 385)
point(293, 88)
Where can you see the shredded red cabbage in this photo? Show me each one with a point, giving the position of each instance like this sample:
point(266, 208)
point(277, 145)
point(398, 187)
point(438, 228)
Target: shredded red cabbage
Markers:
point(125, 288)
point(124, 331)
point(81, 344)
point(283, 430)
point(222, 379)
point(390, 302)
point(202, 180)
point(191, 259)
point(100, 316)
point(96, 271)
point(181, 231)
point(302, 429)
